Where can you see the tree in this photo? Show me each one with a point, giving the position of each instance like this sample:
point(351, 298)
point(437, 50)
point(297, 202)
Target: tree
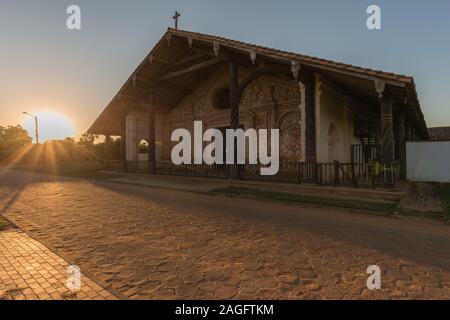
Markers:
point(90, 142)
point(12, 139)
point(87, 140)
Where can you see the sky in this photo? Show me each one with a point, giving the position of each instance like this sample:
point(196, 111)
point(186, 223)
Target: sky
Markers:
point(46, 67)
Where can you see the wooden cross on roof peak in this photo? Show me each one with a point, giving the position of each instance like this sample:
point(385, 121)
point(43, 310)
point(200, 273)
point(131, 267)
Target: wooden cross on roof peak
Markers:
point(175, 17)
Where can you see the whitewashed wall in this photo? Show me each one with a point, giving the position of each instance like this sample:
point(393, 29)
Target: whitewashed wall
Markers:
point(428, 161)
point(331, 109)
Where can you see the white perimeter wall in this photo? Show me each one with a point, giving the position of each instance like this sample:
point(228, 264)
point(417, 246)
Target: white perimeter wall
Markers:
point(428, 161)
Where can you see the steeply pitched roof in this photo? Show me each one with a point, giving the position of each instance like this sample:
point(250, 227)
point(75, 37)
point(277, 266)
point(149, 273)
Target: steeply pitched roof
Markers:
point(293, 56)
point(393, 79)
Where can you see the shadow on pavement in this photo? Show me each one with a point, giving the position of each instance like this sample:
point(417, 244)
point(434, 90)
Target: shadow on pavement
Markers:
point(419, 240)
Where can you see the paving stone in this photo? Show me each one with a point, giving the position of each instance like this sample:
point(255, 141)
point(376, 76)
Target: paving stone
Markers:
point(289, 278)
point(266, 283)
point(226, 292)
point(166, 244)
point(423, 197)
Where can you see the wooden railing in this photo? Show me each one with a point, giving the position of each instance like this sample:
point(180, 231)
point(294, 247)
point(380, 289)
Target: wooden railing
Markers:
point(368, 175)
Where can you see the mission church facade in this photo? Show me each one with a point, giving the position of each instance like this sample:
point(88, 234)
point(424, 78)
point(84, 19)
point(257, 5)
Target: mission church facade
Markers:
point(326, 112)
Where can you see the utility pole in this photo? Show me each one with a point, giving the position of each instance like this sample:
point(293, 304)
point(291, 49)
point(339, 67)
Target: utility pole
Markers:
point(35, 124)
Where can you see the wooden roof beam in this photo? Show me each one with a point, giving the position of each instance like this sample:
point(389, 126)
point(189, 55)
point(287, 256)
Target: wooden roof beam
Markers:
point(189, 59)
point(152, 59)
point(190, 69)
point(219, 45)
point(175, 87)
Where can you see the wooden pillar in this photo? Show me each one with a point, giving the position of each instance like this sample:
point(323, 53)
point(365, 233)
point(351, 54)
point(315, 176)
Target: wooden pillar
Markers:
point(123, 145)
point(107, 140)
point(234, 104)
point(401, 143)
point(151, 139)
point(408, 127)
point(387, 129)
point(234, 169)
point(419, 136)
point(310, 117)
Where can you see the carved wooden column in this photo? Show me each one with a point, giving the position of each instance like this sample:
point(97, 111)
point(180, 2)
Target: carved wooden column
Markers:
point(107, 140)
point(151, 135)
point(419, 136)
point(234, 170)
point(234, 104)
point(310, 117)
point(401, 143)
point(386, 128)
point(408, 129)
point(151, 138)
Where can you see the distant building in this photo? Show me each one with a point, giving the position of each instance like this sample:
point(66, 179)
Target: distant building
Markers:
point(439, 133)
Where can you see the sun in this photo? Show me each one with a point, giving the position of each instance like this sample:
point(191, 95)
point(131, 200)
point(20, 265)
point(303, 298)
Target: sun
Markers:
point(52, 126)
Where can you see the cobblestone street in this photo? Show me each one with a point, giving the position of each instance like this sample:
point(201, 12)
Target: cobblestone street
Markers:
point(150, 243)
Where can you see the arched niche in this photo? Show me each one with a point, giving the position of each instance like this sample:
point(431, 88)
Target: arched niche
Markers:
point(143, 146)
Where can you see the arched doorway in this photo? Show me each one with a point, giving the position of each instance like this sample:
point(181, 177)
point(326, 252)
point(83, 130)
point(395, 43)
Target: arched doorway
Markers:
point(143, 151)
point(143, 147)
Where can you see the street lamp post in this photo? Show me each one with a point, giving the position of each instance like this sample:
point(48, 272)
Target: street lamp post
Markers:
point(36, 125)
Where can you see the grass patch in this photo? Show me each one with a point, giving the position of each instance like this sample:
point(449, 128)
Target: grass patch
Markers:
point(83, 170)
point(313, 200)
point(445, 194)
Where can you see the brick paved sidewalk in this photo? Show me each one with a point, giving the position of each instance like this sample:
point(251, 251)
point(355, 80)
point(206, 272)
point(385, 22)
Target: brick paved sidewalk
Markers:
point(423, 197)
point(30, 271)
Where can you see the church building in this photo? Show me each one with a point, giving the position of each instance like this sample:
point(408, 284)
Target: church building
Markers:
point(337, 122)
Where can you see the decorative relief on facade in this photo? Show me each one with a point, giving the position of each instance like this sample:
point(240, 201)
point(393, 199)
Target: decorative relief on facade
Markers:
point(290, 125)
point(221, 119)
point(286, 93)
point(201, 108)
point(270, 90)
point(268, 102)
point(290, 120)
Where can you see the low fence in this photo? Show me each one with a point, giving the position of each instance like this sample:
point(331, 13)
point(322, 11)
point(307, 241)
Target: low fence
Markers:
point(115, 165)
point(368, 175)
point(335, 174)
